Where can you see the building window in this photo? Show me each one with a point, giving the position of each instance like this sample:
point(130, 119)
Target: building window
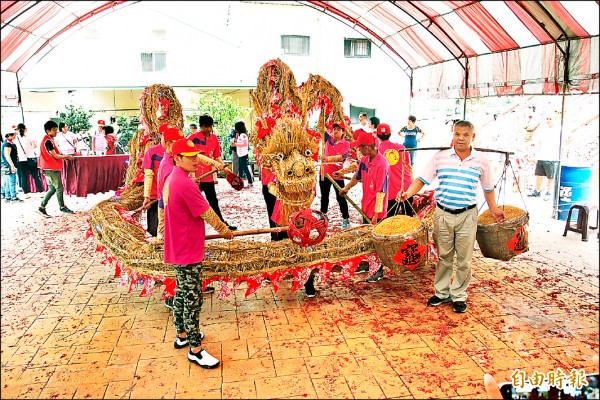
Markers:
point(357, 48)
point(154, 62)
point(295, 45)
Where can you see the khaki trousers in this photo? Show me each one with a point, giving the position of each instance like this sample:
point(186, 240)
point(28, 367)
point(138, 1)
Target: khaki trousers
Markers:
point(161, 223)
point(454, 234)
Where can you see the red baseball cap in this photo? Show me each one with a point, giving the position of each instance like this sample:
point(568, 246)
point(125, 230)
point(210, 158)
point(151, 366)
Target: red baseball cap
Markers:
point(101, 122)
point(338, 125)
point(185, 147)
point(364, 139)
point(163, 128)
point(384, 129)
point(173, 134)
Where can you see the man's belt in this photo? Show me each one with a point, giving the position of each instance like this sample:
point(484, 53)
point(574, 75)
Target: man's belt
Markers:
point(457, 210)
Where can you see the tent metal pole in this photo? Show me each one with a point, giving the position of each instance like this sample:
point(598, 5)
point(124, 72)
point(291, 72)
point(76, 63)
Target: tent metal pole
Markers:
point(410, 93)
point(466, 88)
point(20, 99)
point(562, 119)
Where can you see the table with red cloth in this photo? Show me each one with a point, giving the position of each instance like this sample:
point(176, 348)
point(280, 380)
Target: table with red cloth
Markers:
point(91, 174)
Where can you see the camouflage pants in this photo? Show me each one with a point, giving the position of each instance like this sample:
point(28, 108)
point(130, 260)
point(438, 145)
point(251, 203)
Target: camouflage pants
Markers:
point(188, 301)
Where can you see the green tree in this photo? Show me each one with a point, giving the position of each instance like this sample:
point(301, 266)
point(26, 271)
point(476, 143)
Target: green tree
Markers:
point(224, 110)
point(76, 118)
point(127, 128)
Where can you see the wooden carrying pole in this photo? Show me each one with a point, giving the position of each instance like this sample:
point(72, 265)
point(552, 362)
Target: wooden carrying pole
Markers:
point(349, 199)
point(250, 232)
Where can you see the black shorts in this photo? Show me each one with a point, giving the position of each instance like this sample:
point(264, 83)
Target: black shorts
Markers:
point(546, 168)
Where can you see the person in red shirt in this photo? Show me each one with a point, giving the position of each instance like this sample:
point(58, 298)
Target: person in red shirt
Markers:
point(111, 138)
point(400, 171)
point(336, 151)
point(186, 211)
point(51, 164)
point(209, 146)
point(373, 173)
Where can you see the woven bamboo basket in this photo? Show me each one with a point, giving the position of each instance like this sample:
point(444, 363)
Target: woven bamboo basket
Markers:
point(388, 246)
point(498, 240)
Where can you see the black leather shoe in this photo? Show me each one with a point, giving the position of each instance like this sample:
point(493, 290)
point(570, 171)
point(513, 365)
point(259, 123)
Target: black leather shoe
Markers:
point(460, 307)
point(231, 227)
point(436, 301)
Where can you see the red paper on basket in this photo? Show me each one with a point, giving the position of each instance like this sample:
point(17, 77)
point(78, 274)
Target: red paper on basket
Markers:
point(520, 241)
point(410, 254)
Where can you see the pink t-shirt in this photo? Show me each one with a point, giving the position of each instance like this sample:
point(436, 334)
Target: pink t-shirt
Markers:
point(374, 175)
point(152, 158)
point(400, 169)
point(164, 170)
point(209, 147)
point(184, 226)
point(340, 148)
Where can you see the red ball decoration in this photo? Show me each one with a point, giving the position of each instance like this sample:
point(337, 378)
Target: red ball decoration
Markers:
point(307, 227)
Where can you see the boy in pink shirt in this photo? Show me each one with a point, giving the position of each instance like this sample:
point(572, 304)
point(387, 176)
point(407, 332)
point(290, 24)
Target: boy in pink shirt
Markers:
point(336, 151)
point(165, 168)
point(373, 172)
point(400, 171)
point(185, 213)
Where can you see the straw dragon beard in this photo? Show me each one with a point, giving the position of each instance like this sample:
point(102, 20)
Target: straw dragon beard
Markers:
point(288, 153)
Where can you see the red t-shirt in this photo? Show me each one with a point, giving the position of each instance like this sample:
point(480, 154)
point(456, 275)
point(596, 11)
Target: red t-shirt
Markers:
point(400, 169)
point(184, 226)
point(152, 158)
point(374, 175)
point(209, 147)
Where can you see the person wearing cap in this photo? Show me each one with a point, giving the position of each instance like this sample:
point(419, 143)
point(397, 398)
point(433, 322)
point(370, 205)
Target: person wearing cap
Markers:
point(10, 159)
point(165, 168)
point(336, 151)
point(186, 212)
point(412, 135)
point(460, 170)
point(99, 142)
point(373, 173)
point(209, 146)
point(400, 171)
point(151, 161)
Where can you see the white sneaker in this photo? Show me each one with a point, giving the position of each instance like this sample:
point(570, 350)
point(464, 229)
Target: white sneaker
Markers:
point(203, 359)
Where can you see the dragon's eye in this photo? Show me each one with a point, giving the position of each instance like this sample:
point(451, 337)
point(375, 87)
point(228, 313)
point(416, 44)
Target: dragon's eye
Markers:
point(308, 170)
point(289, 172)
point(279, 157)
point(308, 153)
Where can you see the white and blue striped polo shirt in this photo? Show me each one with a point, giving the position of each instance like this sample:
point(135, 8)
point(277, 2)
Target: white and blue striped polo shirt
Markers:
point(458, 180)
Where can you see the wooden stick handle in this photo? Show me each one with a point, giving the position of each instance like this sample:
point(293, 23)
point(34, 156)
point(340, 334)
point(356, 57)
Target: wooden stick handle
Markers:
point(349, 199)
point(139, 210)
point(250, 232)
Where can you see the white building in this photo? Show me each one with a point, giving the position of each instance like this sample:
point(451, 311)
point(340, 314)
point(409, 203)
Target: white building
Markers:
point(195, 46)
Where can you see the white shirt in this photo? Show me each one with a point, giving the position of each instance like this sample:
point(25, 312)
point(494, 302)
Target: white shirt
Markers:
point(25, 147)
point(65, 143)
point(242, 145)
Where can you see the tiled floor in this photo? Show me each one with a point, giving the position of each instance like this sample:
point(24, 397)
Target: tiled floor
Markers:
point(68, 330)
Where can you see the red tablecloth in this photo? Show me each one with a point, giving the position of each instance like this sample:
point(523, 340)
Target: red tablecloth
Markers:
point(90, 174)
point(94, 174)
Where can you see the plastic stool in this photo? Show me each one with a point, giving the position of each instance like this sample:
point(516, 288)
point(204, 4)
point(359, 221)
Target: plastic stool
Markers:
point(582, 220)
